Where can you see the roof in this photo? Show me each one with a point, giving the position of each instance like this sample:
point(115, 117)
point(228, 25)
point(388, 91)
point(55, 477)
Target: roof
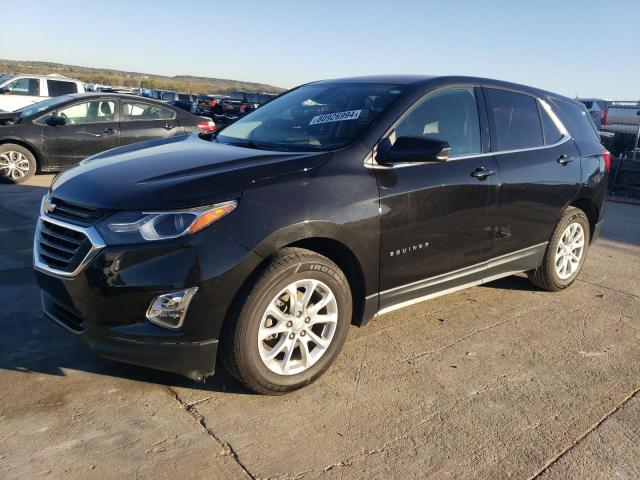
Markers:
point(52, 76)
point(416, 80)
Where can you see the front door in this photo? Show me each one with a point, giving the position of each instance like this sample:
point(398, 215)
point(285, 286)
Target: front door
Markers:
point(438, 217)
point(143, 121)
point(89, 127)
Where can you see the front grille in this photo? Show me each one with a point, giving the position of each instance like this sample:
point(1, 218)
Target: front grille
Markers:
point(61, 248)
point(79, 214)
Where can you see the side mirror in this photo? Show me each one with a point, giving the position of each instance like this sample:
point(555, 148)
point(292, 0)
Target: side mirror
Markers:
point(5, 90)
point(415, 149)
point(54, 121)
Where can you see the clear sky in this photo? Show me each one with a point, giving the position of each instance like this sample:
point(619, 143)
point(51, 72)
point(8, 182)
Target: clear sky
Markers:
point(583, 47)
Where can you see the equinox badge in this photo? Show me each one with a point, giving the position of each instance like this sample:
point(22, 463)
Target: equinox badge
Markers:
point(409, 249)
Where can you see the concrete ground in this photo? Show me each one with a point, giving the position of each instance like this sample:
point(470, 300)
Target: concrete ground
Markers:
point(499, 381)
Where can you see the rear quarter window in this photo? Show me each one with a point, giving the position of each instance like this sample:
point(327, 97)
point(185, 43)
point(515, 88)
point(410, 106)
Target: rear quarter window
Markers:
point(57, 88)
point(578, 121)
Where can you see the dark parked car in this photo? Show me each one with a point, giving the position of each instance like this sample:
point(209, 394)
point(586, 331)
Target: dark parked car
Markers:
point(54, 134)
point(239, 104)
point(208, 105)
point(336, 202)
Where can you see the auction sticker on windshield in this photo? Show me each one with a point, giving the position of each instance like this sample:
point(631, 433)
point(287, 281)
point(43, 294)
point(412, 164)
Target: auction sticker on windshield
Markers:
point(335, 117)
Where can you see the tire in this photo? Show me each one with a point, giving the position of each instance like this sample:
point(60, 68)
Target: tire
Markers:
point(252, 358)
point(551, 277)
point(17, 163)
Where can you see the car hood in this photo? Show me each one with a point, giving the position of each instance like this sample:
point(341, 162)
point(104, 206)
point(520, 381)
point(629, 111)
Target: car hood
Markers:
point(179, 172)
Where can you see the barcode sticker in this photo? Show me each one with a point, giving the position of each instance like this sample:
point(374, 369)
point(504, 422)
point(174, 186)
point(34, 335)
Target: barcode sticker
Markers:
point(335, 117)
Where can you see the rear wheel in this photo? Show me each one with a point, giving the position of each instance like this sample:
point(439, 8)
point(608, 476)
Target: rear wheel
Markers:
point(289, 324)
point(17, 163)
point(565, 252)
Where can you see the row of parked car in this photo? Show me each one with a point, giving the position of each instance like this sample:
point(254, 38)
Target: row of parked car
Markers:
point(49, 123)
point(18, 91)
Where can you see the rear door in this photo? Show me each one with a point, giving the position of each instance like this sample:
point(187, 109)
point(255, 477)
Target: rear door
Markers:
point(90, 127)
point(141, 121)
point(539, 168)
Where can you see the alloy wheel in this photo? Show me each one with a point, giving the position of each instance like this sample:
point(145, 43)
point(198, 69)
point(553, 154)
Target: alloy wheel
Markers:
point(570, 250)
point(297, 327)
point(13, 165)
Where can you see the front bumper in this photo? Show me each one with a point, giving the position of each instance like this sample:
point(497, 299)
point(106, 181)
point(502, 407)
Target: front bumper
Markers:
point(106, 302)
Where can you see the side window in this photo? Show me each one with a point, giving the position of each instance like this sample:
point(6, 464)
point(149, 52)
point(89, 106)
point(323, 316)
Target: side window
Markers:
point(552, 133)
point(517, 120)
point(57, 88)
point(88, 112)
point(450, 115)
point(579, 121)
point(145, 111)
point(25, 86)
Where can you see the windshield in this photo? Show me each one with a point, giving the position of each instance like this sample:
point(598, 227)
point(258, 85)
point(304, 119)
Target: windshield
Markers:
point(313, 117)
point(38, 107)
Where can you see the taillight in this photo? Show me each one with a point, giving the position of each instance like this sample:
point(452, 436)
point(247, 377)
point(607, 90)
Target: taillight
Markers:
point(606, 156)
point(213, 103)
point(242, 108)
point(207, 126)
point(603, 118)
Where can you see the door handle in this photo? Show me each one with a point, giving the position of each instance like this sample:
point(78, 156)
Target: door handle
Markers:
point(563, 159)
point(168, 126)
point(481, 173)
point(109, 131)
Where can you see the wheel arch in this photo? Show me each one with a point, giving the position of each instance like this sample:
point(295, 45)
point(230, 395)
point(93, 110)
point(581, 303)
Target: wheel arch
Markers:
point(342, 256)
point(589, 207)
point(37, 154)
point(353, 256)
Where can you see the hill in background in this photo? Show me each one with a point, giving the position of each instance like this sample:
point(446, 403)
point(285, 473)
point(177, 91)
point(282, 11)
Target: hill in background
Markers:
point(118, 78)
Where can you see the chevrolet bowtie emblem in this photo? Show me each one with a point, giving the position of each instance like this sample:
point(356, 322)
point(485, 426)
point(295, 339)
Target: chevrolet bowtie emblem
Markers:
point(49, 207)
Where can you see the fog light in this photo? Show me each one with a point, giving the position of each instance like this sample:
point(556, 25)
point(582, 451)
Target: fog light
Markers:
point(168, 310)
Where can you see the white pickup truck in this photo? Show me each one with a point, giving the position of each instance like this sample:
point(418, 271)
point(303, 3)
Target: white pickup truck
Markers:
point(17, 91)
point(617, 122)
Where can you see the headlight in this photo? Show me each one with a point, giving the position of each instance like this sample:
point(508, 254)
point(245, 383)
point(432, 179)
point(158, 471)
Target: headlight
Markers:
point(135, 227)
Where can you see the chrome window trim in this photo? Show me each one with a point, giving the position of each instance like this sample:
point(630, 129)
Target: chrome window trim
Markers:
point(370, 161)
point(91, 233)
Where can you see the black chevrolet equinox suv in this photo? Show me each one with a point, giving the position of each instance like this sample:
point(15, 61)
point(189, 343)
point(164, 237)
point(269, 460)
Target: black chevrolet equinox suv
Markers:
point(336, 202)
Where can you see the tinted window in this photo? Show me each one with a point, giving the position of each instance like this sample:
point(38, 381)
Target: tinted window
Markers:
point(183, 97)
point(145, 111)
point(517, 120)
point(57, 88)
point(88, 112)
point(450, 115)
point(579, 121)
point(167, 96)
point(25, 86)
point(552, 133)
point(321, 116)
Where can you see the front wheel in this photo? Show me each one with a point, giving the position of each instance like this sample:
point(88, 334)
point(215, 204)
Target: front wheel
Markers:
point(289, 323)
point(565, 252)
point(17, 164)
